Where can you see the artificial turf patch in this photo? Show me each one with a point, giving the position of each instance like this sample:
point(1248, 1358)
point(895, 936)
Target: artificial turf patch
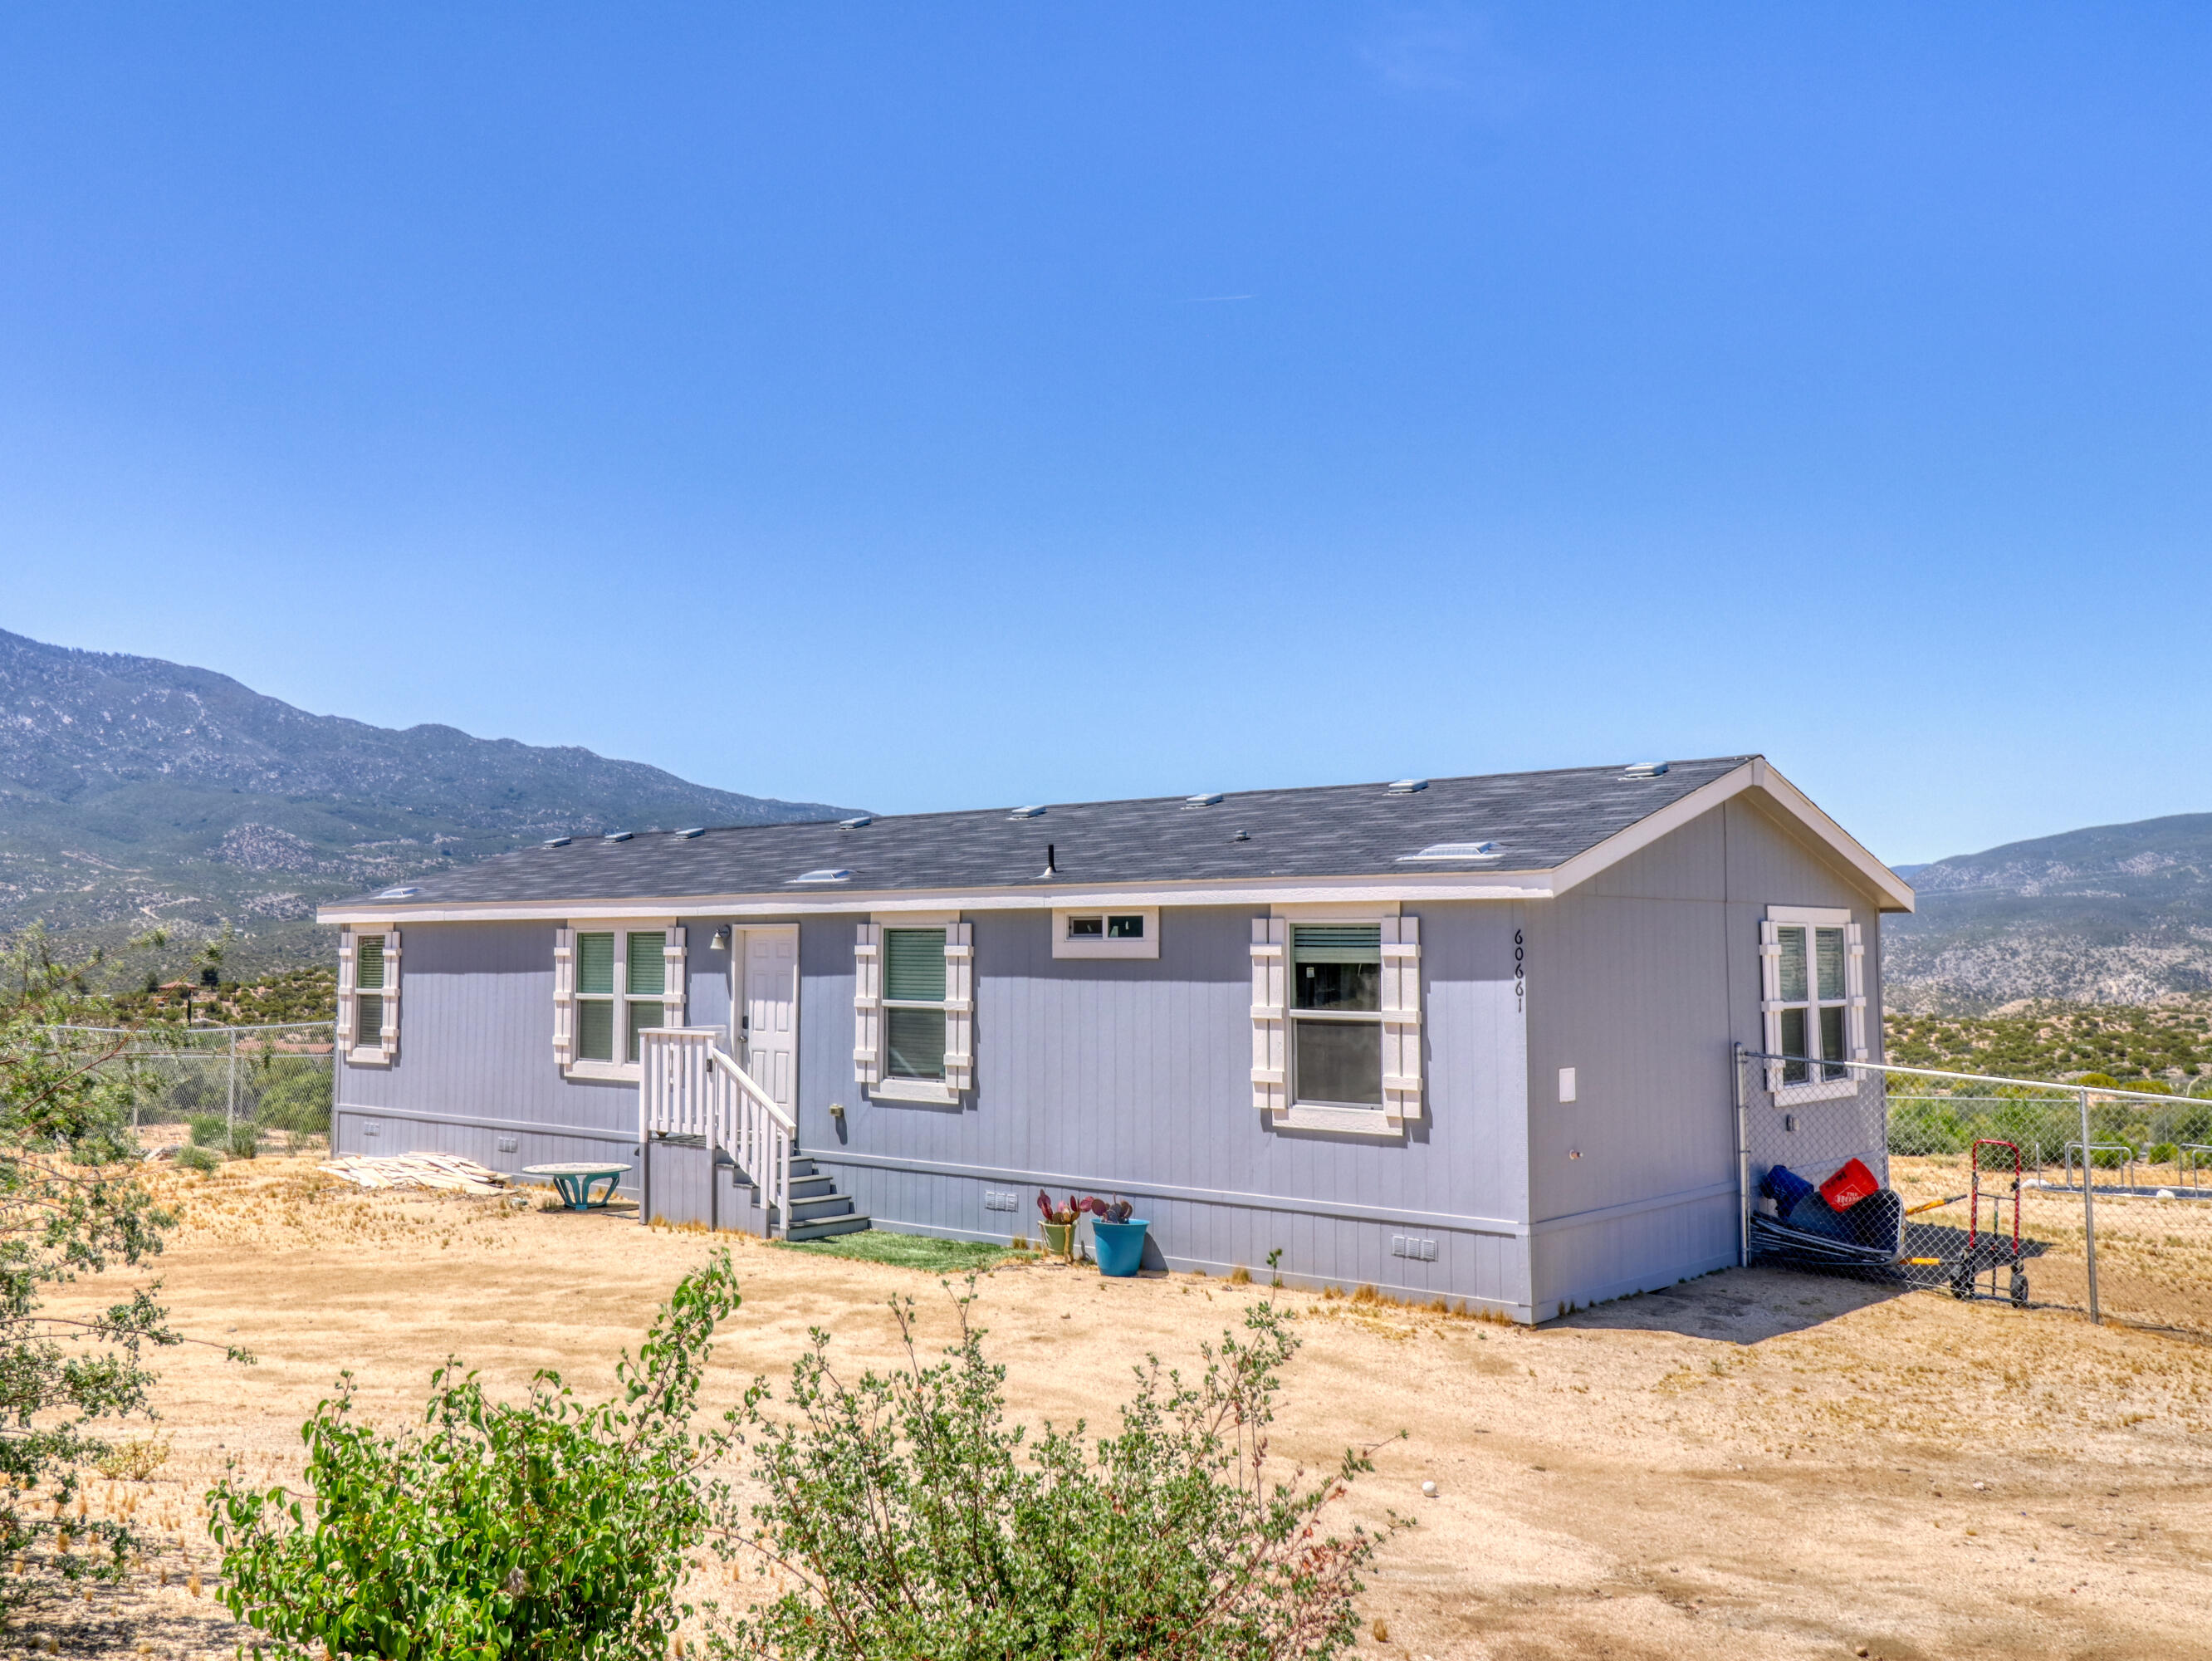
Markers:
point(921, 1251)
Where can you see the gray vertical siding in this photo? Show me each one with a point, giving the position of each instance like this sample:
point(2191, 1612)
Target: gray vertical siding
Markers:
point(1641, 980)
point(476, 1070)
point(1135, 1077)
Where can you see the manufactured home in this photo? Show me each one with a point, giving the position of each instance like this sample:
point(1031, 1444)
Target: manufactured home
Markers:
point(1463, 1038)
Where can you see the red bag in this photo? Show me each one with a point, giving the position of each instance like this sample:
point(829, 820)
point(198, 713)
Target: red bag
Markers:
point(1850, 1185)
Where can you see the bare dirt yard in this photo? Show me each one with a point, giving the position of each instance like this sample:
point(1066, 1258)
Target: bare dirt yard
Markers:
point(1758, 1463)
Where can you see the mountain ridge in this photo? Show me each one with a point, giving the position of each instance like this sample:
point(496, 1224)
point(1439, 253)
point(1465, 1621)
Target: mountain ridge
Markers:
point(2108, 914)
point(135, 791)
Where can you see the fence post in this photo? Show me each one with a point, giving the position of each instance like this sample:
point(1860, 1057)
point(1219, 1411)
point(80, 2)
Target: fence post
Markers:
point(230, 1109)
point(1742, 1168)
point(2089, 1209)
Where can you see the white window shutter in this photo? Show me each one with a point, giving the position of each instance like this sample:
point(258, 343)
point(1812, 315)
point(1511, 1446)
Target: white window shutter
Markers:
point(960, 1005)
point(564, 995)
point(1270, 984)
point(673, 979)
point(1854, 987)
point(345, 991)
point(1402, 1018)
point(867, 1004)
point(1770, 998)
point(388, 1040)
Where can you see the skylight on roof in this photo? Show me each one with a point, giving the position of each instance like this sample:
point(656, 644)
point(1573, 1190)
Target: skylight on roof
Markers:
point(693, 834)
point(1026, 813)
point(858, 821)
point(556, 841)
point(400, 893)
point(619, 836)
point(1644, 769)
point(1209, 801)
point(1406, 787)
point(829, 873)
point(1453, 850)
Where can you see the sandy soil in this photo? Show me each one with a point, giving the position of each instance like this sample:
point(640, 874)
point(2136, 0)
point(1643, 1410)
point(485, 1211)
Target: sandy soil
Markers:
point(1774, 1464)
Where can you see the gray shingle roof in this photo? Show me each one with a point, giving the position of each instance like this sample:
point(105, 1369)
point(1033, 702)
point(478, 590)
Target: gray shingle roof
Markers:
point(1537, 820)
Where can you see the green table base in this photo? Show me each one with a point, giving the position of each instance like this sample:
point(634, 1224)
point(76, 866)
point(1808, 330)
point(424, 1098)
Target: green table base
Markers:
point(574, 1186)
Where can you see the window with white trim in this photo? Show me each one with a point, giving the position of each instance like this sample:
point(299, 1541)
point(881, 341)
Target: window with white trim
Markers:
point(1336, 1022)
point(368, 997)
point(1336, 1014)
point(914, 1004)
point(914, 1007)
point(614, 982)
point(1129, 931)
point(1813, 979)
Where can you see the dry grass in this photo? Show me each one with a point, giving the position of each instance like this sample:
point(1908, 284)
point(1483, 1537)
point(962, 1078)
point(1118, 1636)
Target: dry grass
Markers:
point(1782, 1465)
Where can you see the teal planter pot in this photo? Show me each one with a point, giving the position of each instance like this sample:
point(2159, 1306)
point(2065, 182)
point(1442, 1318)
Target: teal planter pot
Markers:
point(1120, 1246)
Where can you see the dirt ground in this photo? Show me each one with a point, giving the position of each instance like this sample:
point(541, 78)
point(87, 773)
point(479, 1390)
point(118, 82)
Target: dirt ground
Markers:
point(1771, 1464)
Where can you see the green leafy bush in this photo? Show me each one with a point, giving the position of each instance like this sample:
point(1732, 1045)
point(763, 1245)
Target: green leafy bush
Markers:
point(70, 1204)
point(208, 1129)
point(202, 1160)
point(295, 1097)
point(244, 1142)
point(908, 1521)
point(548, 1528)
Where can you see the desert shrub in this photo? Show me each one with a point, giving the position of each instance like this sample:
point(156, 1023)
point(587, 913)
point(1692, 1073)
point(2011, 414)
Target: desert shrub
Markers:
point(70, 1204)
point(2163, 1154)
point(133, 1459)
point(208, 1129)
point(295, 1097)
point(195, 1158)
point(547, 1528)
point(244, 1142)
point(908, 1521)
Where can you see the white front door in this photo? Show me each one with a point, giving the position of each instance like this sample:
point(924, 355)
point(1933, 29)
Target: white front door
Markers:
point(768, 1008)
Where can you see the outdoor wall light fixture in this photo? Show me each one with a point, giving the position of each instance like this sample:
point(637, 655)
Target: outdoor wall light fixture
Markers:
point(722, 941)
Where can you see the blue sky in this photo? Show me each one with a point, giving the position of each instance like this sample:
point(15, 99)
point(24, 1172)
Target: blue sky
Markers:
point(926, 407)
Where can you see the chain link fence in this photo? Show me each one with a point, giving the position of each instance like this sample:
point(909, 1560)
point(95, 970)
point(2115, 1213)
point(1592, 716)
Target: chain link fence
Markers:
point(231, 1089)
point(2041, 1193)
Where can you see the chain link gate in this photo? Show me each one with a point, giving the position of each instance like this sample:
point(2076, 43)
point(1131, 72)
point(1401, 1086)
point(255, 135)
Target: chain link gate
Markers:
point(2041, 1193)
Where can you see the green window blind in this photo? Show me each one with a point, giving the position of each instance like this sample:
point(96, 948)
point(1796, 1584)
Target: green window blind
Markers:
point(649, 970)
point(368, 1020)
point(1337, 942)
point(914, 964)
point(641, 1015)
point(595, 1031)
point(1828, 953)
point(368, 963)
point(1792, 941)
point(595, 967)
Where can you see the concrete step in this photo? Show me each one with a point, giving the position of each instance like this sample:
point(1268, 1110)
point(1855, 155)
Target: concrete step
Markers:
point(827, 1227)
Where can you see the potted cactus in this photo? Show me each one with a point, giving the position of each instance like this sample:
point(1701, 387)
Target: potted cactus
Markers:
point(1060, 1223)
point(1117, 1235)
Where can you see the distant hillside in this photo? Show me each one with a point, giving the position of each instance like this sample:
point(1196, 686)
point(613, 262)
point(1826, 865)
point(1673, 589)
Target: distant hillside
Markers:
point(2116, 914)
point(134, 792)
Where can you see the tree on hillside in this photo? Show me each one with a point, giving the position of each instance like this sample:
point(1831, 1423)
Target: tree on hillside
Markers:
point(70, 1204)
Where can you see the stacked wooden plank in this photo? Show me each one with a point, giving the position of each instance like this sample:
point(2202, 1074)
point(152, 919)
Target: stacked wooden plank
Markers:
point(445, 1173)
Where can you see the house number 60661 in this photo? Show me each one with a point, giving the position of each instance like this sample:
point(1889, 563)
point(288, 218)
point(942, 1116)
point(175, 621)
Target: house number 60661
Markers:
point(1520, 973)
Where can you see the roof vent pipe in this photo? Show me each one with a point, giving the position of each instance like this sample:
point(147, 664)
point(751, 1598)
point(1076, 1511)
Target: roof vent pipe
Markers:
point(1051, 862)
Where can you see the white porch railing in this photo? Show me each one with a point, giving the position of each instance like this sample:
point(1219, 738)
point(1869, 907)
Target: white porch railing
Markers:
point(689, 1085)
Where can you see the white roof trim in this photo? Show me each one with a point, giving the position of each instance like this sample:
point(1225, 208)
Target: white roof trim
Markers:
point(1757, 774)
point(1408, 887)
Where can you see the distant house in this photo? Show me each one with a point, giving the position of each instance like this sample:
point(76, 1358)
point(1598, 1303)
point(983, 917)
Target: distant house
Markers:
point(1466, 1038)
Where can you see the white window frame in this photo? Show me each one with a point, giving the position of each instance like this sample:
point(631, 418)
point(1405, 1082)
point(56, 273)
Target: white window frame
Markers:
point(1398, 1015)
point(1146, 946)
point(380, 1047)
point(569, 1002)
point(872, 1027)
point(1772, 1003)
